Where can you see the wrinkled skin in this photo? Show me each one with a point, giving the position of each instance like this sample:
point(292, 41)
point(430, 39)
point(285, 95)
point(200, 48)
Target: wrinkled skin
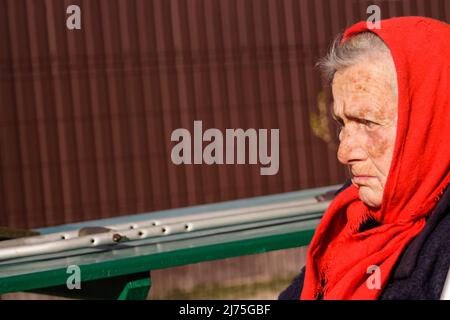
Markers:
point(365, 105)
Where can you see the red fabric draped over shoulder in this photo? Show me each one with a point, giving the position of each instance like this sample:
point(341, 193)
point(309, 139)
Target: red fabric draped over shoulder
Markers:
point(339, 254)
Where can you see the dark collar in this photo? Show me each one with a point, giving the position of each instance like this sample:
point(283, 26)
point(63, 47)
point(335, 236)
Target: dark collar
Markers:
point(408, 259)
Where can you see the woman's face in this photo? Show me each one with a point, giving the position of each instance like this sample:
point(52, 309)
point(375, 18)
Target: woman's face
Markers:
point(365, 105)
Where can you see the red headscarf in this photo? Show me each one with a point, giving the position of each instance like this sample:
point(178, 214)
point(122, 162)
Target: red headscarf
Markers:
point(339, 254)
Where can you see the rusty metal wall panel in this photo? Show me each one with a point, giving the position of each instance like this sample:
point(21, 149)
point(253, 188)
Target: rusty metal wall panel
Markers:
point(86, 115)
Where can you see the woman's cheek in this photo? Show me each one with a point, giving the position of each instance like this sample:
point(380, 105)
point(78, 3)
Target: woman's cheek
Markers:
point(378, 145)
point(380, 149)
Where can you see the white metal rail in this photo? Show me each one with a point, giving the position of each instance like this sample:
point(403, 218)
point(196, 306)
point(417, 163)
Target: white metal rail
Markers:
point(113, 234)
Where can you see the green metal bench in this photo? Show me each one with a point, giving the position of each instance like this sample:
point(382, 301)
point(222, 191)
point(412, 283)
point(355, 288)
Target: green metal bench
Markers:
point(123, 271)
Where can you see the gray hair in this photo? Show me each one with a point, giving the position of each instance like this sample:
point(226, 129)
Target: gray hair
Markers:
point(355, 49)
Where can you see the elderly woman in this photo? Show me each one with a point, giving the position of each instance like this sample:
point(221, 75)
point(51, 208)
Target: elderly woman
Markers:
point(386, 235)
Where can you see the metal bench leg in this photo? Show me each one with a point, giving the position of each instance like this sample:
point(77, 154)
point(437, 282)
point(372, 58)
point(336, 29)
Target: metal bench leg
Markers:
point(137, 289)
point(126, 287)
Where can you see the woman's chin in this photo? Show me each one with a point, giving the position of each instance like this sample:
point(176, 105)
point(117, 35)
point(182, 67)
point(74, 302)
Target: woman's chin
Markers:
point(369, 197)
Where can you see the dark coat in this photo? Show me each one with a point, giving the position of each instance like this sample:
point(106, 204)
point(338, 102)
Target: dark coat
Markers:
point(421, 270)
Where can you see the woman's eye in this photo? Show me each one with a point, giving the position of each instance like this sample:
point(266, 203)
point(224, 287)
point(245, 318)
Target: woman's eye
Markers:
point(369, 124)
point(339, 123)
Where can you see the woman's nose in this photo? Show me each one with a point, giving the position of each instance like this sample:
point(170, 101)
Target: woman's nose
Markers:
point(350, 148)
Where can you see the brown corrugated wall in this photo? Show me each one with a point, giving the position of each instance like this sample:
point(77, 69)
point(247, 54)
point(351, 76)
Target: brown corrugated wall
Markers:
point(86, 115)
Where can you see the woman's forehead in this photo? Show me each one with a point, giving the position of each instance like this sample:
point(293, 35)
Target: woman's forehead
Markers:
point(363, 90)
point(364, 77)
point(359, 110)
